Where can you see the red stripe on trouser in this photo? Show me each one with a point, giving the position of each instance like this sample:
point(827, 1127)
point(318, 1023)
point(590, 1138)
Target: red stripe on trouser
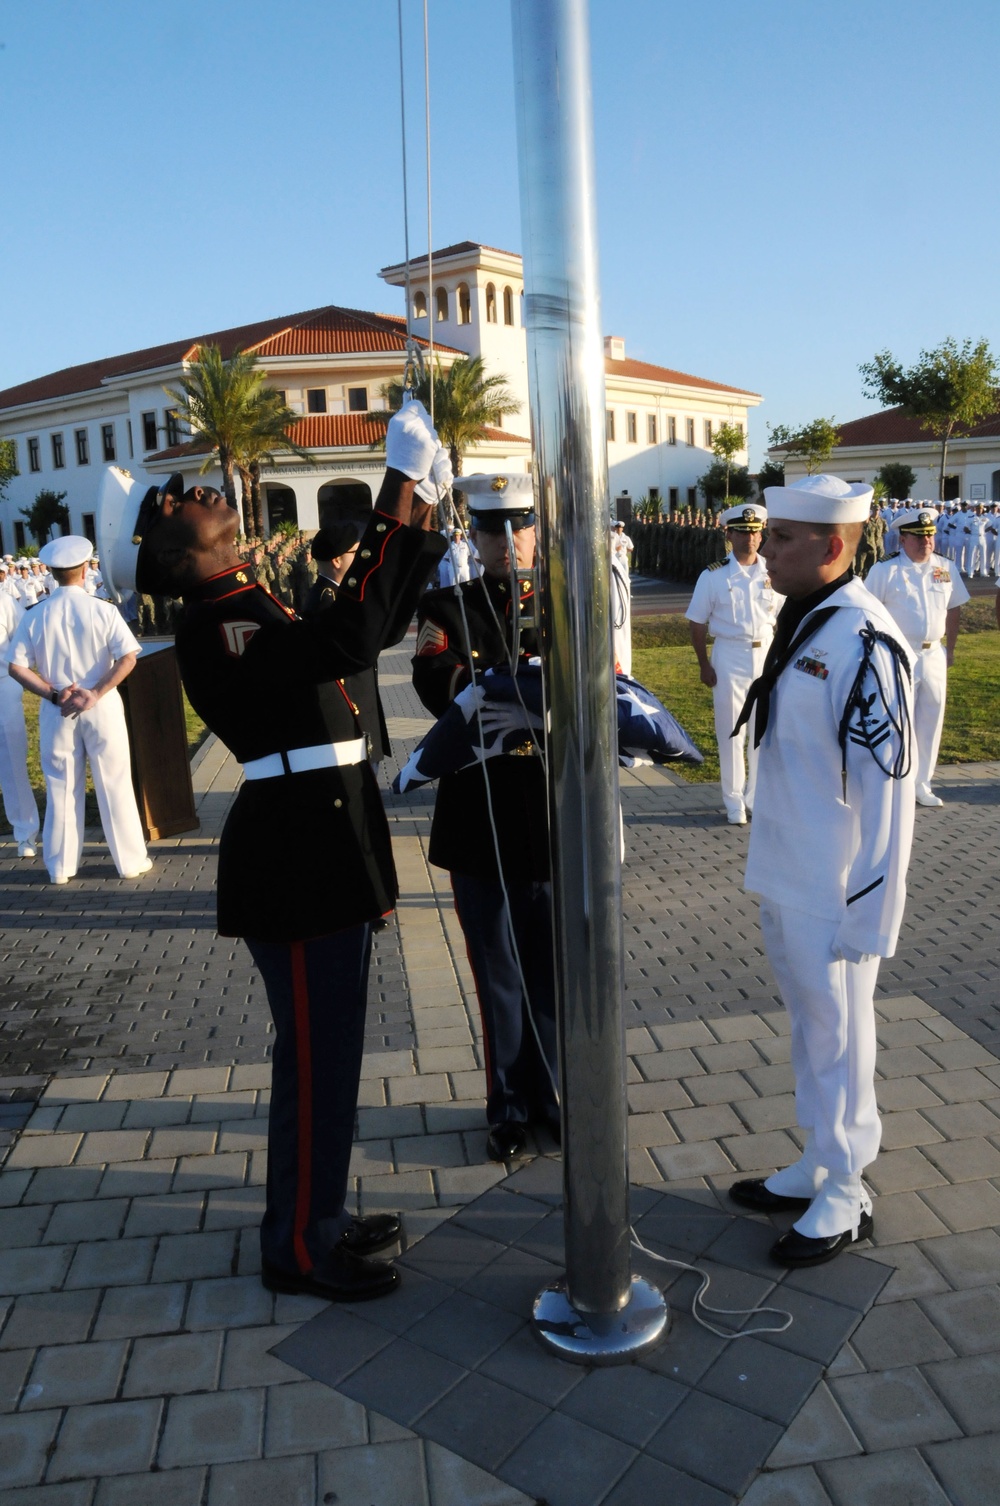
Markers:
point(303, 1069)
point(487, 1059)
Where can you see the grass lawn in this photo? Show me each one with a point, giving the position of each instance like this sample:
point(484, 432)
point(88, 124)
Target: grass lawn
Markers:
point(663, 659)
point(195, 735)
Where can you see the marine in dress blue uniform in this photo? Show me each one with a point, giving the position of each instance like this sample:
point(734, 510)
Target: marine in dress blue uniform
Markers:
point(271, 687)
point(490, 826)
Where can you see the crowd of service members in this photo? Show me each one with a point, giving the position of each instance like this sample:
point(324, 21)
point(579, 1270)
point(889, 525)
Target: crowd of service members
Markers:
point(680, 547)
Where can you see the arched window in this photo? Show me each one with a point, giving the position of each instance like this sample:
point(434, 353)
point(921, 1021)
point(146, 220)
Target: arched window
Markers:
point(420, 304)
point(491, 304)
point(281, 506)
point(508, 306)
point(441, 304)
point(464, 304)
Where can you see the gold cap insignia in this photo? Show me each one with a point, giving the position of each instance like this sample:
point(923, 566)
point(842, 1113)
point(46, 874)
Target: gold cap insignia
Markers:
point(499, 484)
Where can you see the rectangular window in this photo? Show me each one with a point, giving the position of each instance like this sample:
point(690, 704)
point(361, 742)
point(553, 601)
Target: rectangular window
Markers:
point(609, 424)
point(34, 456)
point(654, 494)
point(651, 428)
point(740, 427)
point(357, 399)
point(280, 395)
point(708, 434)
point(173, 427)
point(149, 431)
point(316, 400)
point(675, 498)
point(671, 430)
point(58, 452)
point(631, 428)
point(690, 430)
point(108, 441)
point(90, 527)
point(692, 493)
point(131, 449)
point(82, 447)
point(1, 540)
point(19, 539)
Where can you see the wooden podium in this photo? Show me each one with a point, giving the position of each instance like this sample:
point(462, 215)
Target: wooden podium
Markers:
point(161, 768)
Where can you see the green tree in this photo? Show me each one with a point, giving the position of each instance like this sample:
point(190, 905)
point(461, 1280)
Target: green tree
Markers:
point(44, 513)
point(215, 400)
point(948, 389)
point(269, 420)
point(467, 402)
point(8, 464)
point(896, 478)
point(815, 442)
point(771, 473)
point(728, 442)
point(721, 483)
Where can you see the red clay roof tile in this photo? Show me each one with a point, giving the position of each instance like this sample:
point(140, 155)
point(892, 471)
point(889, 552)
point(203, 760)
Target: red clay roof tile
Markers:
point(326, 331)
point(642, 371)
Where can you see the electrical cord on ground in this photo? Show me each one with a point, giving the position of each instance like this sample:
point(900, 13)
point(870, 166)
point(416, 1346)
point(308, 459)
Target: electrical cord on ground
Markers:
point(698, 1300)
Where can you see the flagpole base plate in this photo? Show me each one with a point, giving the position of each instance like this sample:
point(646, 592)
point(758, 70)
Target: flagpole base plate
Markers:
point(601, 1338)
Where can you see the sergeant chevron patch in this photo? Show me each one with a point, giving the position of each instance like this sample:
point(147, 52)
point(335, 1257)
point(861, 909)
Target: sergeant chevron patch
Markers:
point(431, 639)
point(236, 636)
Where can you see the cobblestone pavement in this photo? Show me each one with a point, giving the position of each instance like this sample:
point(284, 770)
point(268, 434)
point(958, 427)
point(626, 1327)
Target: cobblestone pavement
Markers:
point(135, 1339)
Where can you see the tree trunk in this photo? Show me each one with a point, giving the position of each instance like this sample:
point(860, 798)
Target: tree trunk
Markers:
point(247, 489)
point(255, 500)
point(944, 461)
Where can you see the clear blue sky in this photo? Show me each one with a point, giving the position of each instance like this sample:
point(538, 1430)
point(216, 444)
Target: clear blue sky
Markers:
point(784, 187)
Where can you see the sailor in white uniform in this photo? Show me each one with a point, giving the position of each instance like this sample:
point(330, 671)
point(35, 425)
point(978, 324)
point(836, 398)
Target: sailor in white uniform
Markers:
point(735, 602)
point(925, 595)
point(19, 803)
point(72, 650)
point(829, 848)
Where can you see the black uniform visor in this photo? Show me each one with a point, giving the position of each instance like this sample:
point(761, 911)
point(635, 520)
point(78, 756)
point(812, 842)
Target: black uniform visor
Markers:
point(496, 520)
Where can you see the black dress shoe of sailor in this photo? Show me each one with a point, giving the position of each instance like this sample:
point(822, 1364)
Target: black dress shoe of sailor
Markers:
point(376, 1232)
point(506, 1141)
point(342, 1277)
point(753, 1193)
point(797, 1249)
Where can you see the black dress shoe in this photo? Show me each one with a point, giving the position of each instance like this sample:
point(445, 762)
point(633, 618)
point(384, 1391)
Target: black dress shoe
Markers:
point(752, 1193)
point(342, 1277)
point(377, 1232)
point(794, 1248)
point(506, 1141)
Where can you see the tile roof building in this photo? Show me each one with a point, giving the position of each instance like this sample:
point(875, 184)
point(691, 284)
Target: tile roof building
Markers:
point(892, 436)
point(331, 363)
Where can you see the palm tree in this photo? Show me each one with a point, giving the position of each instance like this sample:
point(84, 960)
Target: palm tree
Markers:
point(466, 404)
point(269, 421)
point(214, 400)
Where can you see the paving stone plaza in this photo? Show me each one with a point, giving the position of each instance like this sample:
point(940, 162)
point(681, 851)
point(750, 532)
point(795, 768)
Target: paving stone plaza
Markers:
point(141, 1361)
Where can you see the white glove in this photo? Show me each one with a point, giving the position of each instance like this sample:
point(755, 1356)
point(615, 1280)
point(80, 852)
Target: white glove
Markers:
point(433, 488)
point(411, 445)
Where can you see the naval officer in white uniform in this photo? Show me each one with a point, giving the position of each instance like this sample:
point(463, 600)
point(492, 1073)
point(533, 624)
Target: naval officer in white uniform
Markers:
point(829, 847)
point(72, 650)
point(925, 595)
point(735, 601)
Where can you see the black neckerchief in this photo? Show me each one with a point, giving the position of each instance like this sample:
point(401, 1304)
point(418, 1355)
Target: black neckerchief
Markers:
point(787, 640)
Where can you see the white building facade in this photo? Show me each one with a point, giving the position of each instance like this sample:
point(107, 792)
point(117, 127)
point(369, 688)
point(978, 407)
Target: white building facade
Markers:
point(332, 364)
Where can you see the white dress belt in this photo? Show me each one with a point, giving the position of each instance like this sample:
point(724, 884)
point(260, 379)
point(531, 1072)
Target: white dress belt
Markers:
point(301, 760)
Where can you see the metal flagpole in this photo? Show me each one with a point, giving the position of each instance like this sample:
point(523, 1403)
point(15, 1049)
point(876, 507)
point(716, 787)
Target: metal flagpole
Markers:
point(600, 1313)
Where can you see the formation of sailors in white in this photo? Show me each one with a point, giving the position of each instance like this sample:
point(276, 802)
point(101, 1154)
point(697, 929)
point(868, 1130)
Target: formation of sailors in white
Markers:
point(965, 532)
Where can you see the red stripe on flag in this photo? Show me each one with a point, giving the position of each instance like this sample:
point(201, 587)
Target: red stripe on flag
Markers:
point(303, 1067)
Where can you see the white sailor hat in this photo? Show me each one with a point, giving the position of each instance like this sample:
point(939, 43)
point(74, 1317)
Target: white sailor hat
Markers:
point(499, 497)
point(65, 553)
point(820, 499)
point(920, 520)
point(747, 517)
